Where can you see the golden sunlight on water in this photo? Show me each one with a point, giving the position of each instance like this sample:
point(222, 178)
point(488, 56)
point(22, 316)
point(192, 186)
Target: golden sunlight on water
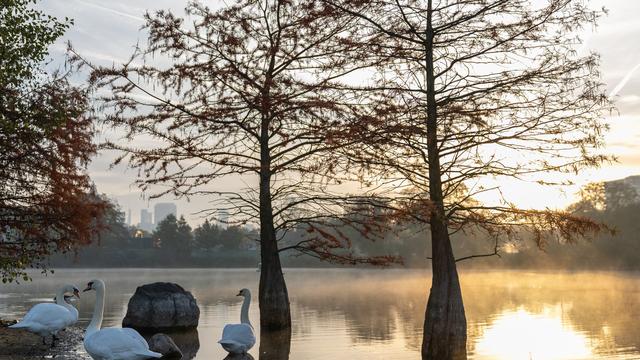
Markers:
point(522, 335)
point(554, 316)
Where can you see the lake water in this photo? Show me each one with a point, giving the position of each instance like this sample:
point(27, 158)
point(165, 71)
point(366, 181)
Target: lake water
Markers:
point(378, 314)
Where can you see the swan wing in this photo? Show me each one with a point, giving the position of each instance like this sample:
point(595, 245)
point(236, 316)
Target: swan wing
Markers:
point(238, 334)
point(136, 336)
point(52, 317)
point(117, 343)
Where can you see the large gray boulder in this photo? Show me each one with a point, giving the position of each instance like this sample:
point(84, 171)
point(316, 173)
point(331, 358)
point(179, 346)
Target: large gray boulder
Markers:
point(161, 307)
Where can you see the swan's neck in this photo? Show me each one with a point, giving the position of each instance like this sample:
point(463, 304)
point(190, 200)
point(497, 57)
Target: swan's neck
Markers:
point(60, 298)
point(68, 306)
point(244, 312)
point(98, 310)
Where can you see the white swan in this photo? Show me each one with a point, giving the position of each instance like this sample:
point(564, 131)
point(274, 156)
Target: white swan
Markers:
point(112, 343)
point(47, 318)
point(239, 338)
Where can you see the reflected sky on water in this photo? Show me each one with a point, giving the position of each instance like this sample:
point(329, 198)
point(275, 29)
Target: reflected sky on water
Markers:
point(378, 314)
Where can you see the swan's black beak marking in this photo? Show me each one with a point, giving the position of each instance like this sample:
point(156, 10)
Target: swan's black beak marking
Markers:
point(76, 293)
point(87, 289)
point(239, 294)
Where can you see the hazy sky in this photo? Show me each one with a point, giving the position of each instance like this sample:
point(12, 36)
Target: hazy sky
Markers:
point(106, 32)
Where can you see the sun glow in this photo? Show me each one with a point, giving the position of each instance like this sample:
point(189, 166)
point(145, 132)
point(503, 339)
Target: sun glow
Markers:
point(522, 335)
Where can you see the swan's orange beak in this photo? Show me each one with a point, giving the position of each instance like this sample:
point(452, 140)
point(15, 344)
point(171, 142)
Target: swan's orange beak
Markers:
point(76, 293)
point(87, 289)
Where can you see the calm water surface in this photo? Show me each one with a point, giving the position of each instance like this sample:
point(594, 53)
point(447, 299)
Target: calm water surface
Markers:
point(378, 314)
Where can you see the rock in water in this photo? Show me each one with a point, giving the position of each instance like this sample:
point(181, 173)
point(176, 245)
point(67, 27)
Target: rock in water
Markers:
point(161, 307)
point(187, 341)
point(165, 345)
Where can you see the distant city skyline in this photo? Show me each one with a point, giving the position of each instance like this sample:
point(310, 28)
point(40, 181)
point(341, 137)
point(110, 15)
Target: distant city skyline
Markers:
point(149, 220)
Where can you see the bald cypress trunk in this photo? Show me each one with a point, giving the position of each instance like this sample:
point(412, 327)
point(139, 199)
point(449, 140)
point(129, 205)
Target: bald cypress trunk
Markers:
point(273, 296)
point(445, 324)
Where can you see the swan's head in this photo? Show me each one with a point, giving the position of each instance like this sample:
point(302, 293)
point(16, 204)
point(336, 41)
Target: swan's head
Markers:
point(69, 289)
point(244, 292)
point(94, 285)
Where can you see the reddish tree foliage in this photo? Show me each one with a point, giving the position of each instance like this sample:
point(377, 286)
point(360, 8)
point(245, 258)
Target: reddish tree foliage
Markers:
point(45, 145)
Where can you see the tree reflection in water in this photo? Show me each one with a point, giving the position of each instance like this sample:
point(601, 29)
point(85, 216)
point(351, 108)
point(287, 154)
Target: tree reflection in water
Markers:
point(275, 345)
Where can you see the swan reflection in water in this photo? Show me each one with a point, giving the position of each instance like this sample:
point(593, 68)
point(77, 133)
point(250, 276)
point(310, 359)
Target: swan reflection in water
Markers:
point(274, 345)
point(239, 357)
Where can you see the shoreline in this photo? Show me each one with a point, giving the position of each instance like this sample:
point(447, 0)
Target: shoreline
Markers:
point(17, 344)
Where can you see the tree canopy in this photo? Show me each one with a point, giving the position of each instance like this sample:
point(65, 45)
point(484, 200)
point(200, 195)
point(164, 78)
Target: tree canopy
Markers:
point(45, 145)
point(26, 34)
point(512, 99)
point(174, 235)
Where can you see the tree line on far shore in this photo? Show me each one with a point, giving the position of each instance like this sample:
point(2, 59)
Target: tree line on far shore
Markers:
point(176, 243)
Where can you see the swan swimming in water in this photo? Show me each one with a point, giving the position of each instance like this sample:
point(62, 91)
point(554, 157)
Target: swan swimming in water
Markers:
point(47, 318)
point(112, 343)
point(239, 338)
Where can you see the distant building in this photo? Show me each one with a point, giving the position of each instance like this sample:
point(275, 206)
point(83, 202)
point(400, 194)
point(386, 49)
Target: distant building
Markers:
point(146, 222)
point(129, 217)
point(162, 210)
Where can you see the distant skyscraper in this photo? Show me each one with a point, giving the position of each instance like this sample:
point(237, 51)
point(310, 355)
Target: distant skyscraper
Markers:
point(146, 222)
point(162, 210)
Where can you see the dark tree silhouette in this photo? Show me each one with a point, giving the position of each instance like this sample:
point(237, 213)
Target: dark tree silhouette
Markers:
point(115, 232)
point(478, 89)
point(207, 235)
point(249, 92)
point(175, 236)
point(45, 145)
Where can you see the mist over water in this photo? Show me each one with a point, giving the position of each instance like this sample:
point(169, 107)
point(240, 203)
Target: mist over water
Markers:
point(378, 314)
